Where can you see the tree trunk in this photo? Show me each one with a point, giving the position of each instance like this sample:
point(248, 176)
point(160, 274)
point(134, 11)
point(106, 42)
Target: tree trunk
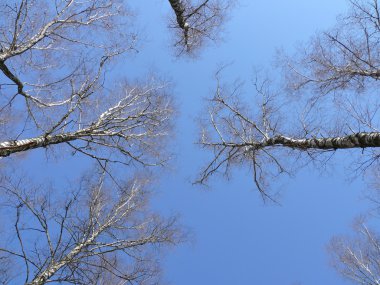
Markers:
point(9, 147)
point(358, 140)
point(44, 276)
point(179, 10)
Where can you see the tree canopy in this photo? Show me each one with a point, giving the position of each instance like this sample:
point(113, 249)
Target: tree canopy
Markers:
point(63, 95)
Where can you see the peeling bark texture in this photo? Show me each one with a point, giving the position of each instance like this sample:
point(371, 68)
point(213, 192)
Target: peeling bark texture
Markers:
point(259, 153)
point(358, 140)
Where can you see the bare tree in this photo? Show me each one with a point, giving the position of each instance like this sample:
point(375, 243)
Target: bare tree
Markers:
point(53, 77)
point(356, 255)
point(329, 103)
point(58, 87)
point(86, 236)
point(357, 258)
point(342, 59)
point(197, 22)
point(67, 101)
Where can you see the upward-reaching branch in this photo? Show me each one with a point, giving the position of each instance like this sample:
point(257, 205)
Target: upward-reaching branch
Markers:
point(100, 234)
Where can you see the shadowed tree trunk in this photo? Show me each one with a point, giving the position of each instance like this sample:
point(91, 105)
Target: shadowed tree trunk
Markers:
point(358, 140)
point(197, 22)
point(179, 11)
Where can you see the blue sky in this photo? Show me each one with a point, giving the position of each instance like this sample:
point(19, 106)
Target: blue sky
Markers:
point(238, 240)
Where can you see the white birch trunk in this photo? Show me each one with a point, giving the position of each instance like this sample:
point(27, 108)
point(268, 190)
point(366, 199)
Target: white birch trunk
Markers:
point(358, 140)
point(10, 147)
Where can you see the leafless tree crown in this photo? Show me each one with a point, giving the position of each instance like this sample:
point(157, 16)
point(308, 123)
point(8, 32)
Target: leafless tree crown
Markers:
point(53, 78)
point(89, 235)
point(329, 102)
point(58, 88)
point(356, 258)
point(196, 22)
point(343, 58)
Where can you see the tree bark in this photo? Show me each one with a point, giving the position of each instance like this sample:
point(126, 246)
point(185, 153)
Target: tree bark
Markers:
point(45, 275)
point(9, 147)
point(358, 140)
point(179, 10)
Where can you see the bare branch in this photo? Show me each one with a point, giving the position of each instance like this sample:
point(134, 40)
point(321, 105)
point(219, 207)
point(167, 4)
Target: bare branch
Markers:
point(195, 23)
point(98, 233)
point(357, 259)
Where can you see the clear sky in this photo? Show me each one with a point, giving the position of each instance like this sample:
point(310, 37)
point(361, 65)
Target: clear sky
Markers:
point(238, 240)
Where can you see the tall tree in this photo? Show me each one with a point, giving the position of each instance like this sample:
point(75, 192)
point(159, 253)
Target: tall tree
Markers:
point(59, 91)
point(53, 75)
point(92, 234)
point(53, 82)
point(326, 102)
